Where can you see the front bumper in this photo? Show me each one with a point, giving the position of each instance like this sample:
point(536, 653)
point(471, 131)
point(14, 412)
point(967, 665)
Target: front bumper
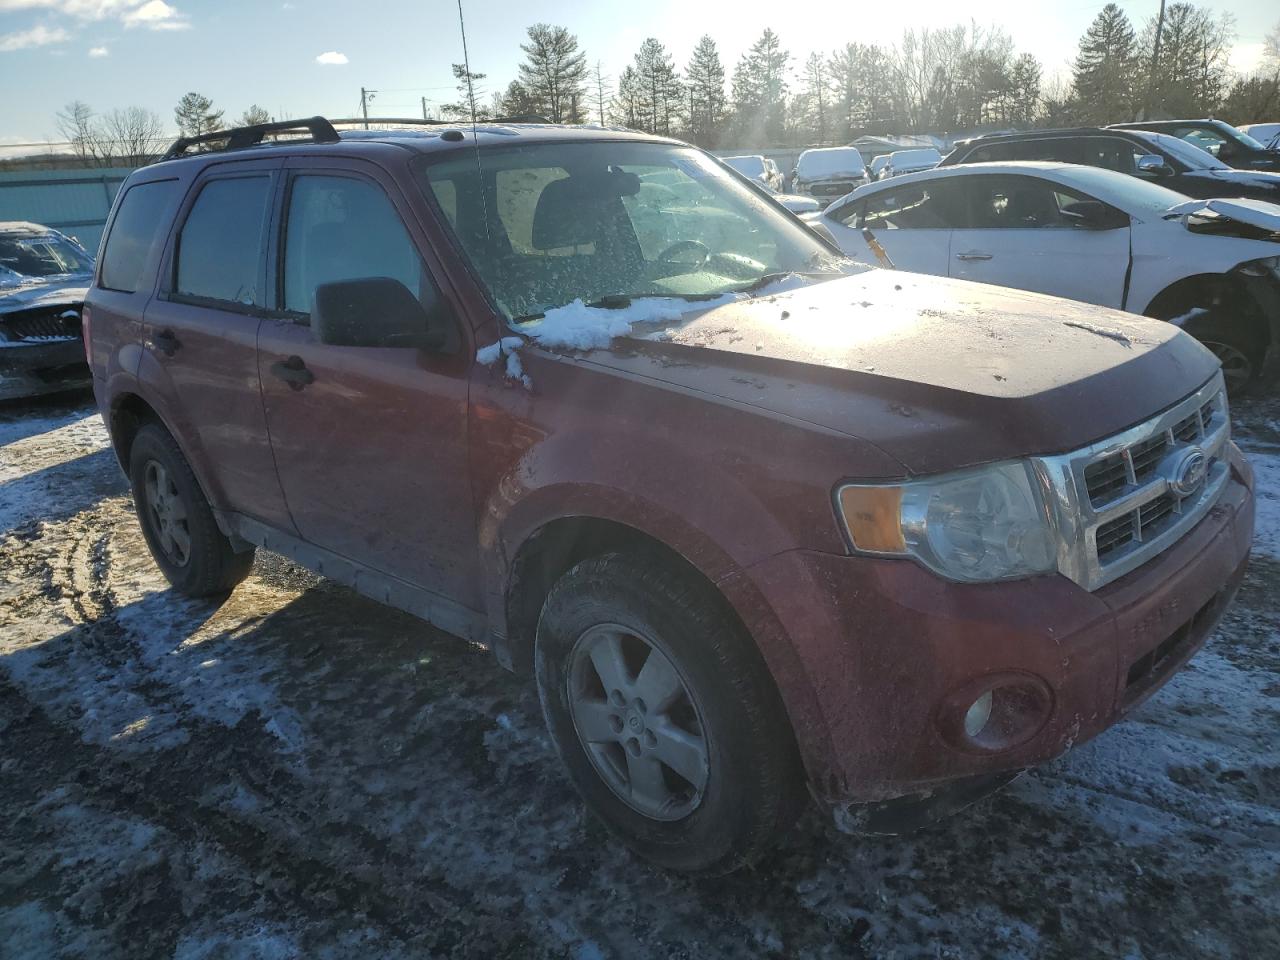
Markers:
point(888, 650)
point(30, 368)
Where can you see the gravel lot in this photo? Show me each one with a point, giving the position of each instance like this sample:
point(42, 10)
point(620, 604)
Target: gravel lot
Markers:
point(299, 772)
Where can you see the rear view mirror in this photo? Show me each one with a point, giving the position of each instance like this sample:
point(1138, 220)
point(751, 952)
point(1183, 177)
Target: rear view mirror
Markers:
point(1153, 165)
point(1092, 215)
point(372, 312)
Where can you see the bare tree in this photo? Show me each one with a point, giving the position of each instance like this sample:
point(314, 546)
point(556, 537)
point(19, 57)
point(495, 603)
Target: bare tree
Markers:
point(254, 116)
point(134, 134)
point(75, 122)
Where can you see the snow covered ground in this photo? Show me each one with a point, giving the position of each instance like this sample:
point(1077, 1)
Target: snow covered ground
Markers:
point(300, 772)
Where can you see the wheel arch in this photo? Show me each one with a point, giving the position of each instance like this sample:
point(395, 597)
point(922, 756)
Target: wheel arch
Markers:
point(1185, 294)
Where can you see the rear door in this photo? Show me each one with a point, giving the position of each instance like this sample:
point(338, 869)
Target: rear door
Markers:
point(1015, 235)
point(200, 351)
point(912, 221)
point(370, 442)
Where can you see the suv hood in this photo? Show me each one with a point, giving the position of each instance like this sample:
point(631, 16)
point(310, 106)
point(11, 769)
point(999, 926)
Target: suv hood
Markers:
point(937, 373)
point(27, 293)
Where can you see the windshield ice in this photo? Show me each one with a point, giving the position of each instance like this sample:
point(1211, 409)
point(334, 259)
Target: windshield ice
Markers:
point(830, 162)
point(549, 224)
point(42, 255)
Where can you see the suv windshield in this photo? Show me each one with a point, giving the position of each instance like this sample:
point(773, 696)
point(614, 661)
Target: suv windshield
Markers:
point(1192, 157)
point(42, 255)
point(548, 224)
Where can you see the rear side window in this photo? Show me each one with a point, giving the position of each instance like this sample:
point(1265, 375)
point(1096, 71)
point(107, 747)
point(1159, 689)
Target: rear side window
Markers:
point(220, 248)
point(142, 215)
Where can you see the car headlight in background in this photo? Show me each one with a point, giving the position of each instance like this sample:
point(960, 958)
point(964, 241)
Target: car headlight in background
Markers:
point(1270, 266)
point(974, 526)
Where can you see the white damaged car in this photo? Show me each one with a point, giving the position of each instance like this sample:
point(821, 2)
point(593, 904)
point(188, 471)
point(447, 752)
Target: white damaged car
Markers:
point(1210, 266)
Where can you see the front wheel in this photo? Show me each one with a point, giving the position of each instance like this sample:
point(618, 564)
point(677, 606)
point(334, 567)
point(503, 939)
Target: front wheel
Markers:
point(1239, 355)
point(665, 715)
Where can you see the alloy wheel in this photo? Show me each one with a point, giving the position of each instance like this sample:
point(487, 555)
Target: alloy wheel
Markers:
point(168, 514)
point(638, 721)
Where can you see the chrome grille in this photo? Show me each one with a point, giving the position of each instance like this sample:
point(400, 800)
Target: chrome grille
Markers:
point(44, 324)
point(1120, 502)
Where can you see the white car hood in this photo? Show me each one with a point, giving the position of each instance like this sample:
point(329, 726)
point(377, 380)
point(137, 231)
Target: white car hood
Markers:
point(1255, 213)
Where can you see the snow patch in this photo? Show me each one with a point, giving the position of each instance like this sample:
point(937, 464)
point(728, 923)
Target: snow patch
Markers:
point(576, 326)
point(1182, 319)
point(1115, 335)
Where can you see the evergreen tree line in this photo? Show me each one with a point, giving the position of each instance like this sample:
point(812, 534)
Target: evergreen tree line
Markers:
point(934, 79)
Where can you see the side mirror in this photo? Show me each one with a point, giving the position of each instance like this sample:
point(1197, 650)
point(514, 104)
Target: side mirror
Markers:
point(1091, 215)
point(1153, 165)
point(372, 312)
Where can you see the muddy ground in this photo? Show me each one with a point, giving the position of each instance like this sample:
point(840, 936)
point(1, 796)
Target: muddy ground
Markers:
point(299, 772)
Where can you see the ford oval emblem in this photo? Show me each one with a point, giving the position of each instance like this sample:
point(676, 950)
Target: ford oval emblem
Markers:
point(1187, 471)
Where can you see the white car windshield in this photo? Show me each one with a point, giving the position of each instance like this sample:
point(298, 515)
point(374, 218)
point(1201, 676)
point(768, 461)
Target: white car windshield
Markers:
point(45, 255)
point(830, 162)
point(750, 166)
point(547, 224)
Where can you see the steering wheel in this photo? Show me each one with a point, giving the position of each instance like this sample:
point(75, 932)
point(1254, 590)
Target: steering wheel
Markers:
point(680, 246)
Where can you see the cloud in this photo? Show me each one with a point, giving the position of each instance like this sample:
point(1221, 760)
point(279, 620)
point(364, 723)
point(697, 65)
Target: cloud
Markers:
point(35, 37)
point(332, 58)
point(99, 52)
point(155, 15)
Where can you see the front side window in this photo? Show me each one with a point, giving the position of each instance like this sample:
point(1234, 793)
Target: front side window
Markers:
point(343, 228)
point(917, 206)
point(547, 224)
point(219, 253)
point(1017, 203)
point(144, 211)
point(1208, 140)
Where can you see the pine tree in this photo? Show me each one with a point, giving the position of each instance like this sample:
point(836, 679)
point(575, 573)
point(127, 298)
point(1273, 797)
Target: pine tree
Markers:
point(816, 97)
point(1025, 82)
point(1106, 68)
point(254, 115)
point(760, 90)
point(553, 72)
point(1192, 74)
point(195, 115)
point(656, 88)
point(704, 79)
point(597, 94)
point(468, 106)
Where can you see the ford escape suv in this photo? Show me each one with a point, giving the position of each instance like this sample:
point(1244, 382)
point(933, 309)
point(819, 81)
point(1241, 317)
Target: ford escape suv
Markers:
point(762, 523)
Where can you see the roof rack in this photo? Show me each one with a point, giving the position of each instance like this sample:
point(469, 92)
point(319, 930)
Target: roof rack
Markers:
point(460, 123)
point(237, 138)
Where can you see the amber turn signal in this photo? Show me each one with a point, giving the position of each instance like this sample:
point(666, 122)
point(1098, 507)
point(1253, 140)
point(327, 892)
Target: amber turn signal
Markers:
point(874, 518)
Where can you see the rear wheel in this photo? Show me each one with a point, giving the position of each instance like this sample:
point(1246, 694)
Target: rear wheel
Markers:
point(193, 554)
point(665, 716)
point(1239, 354)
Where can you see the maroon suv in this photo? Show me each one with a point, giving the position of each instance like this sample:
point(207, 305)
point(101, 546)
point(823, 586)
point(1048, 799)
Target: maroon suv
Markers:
point(756, 517)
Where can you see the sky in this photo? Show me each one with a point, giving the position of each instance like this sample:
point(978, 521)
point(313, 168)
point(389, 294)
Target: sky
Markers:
point(303, 57)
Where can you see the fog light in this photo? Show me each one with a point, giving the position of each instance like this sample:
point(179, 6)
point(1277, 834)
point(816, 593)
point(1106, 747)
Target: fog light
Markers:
point(975, 719)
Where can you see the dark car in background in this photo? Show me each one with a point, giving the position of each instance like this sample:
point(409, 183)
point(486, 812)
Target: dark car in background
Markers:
point(43, 278)
point(1216, 137)
point(1158, 157)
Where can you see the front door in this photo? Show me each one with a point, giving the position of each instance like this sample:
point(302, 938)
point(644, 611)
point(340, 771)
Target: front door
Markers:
point(1016, 235)
point(370, 442)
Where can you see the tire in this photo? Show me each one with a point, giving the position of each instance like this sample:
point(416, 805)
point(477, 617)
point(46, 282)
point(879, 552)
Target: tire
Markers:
point(1239, 353)
point(752, 784)
point(185, 542)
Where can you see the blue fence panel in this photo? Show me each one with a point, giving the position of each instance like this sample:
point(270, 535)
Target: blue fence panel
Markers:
point(74, 201)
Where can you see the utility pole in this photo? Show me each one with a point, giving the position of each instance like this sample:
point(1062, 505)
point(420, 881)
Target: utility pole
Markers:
point(1155, 66)
point(424, 109)
point(365, 97)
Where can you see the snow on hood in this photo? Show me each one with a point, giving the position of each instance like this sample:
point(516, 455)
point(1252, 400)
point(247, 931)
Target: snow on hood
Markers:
point(830, 162)
point(43, 292)
point(577, 326)
point(1255, 213)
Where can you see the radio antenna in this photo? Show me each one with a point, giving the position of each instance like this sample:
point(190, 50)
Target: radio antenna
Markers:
point(475, 139)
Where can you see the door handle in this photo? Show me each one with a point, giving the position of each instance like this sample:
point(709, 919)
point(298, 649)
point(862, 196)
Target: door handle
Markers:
point(973, 256)
point(293, 372)
point(166, 342)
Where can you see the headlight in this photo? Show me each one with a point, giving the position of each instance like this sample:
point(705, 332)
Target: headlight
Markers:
point(1261, 268)
point(976, 525)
